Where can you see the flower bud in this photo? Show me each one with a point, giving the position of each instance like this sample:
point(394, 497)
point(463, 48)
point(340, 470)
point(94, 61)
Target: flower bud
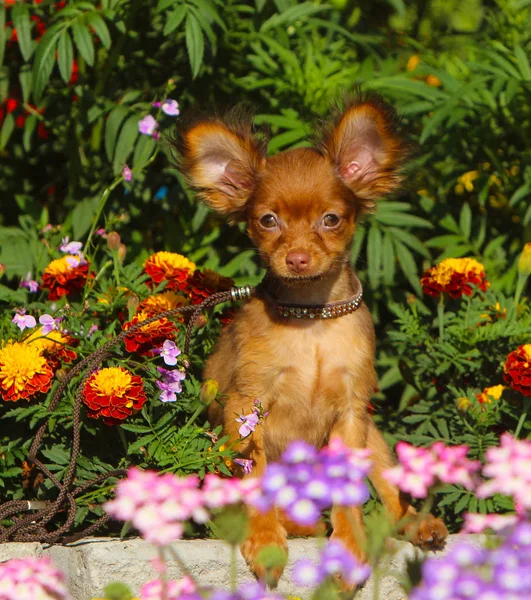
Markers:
point(132, 304)
point(113, 240)
point(201, 321)
point(122, 251)
point(462, 403)
point(524, 264)
point(61, 374)
point(209, 390)
point(2, 269)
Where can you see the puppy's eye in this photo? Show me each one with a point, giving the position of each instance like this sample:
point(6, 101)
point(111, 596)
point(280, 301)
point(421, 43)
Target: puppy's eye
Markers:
point(268, 221)
point(331, 220)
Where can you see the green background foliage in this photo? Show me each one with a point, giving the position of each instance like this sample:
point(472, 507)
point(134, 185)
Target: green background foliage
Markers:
point(81, 76)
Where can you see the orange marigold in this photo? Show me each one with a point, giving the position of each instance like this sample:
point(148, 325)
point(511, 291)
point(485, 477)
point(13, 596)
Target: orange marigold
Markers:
point(489, 393)
point(151, 336)
point(517, 369)
point(171, 267)
point(61, 278)
point(54, 346)
point(24, 372)
point(162, 302)
point(113, 394)
point(455, 277)
point(204, 283)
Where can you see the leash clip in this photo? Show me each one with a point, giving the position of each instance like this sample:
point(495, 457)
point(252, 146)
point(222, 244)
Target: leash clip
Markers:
point(241, 293)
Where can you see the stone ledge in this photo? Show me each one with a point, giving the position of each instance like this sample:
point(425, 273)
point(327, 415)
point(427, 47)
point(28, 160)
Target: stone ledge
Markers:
point(91, 564)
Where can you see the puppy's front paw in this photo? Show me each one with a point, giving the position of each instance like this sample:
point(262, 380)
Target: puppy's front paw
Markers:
point(252, 548)
point(426, 531)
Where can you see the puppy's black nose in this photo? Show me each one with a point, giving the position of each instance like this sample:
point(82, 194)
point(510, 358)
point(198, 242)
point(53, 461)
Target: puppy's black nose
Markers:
point(297, 261)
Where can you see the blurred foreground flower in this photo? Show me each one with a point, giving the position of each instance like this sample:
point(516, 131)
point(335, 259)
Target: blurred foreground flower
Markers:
point(171, 267)
point(421, 468)
point(113, 393)
point(454, 276)
point(306, 482)
point(183, 589)
point(24, 372)
point(517, 369)
point(31, 579)
point(63, 277)
point(29, 283)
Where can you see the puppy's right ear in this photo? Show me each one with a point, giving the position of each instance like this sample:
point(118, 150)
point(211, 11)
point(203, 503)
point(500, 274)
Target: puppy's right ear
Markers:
point(223, 164)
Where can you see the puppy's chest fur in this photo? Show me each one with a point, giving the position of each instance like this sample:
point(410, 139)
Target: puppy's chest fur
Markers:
point(307, 374)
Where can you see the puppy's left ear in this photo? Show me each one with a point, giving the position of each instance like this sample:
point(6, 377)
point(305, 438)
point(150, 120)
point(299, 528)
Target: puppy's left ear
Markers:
point(365, 150)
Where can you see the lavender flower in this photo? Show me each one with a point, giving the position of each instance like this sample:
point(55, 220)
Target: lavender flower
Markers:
point(49, 323)
point(307, 482)
point(246, 463)
point(127, 174)
point(248, 423)
point(148, 126)
point(171, 384)
point(169, 106)
point(23, 321)
point(29, 283)
point(169, 352)
point(70, 247)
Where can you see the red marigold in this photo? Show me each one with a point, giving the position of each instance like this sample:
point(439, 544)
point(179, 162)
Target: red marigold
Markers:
point(62, 278)
point(171, 267)
point(149, 337)
point(54, 346)
point(455, 277)
point(517, 369)
point(204, 283)
point(162, 302)
point(24, 372)
point(113, 393)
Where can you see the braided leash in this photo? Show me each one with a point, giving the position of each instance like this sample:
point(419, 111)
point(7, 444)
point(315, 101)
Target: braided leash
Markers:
point(32, 528)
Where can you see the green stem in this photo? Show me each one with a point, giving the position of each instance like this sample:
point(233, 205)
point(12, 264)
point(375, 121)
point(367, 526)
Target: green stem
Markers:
point(520, 284)
point(233, 568)
point(440, 317)
point(523, 417)
point(181, 564)
point(121, 433)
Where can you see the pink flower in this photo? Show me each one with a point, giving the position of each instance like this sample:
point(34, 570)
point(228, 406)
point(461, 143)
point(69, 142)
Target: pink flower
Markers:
point(31, 579)
point(91, 330)
point(148, 125)
point(509, 467)
point(246, 463)
point(248, 423)
point(23, 321)
point(70, 247)
point(29, 283)
point(153, 590)
point(127, 174)
point(477, 523)
point(169, 352)
point(49, 323)
point(169, 107)
point(421, 468)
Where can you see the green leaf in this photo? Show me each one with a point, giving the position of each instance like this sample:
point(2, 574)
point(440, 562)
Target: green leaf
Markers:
point(83, 41)
point(402, 219)
point(2, 32)
point(65, 55)
point(410, 240)
point(292, 14)
point(82, 216)
point(388, 259)
point(95, 20)
point(125, 143)
point(143, 150)
point(21, 21)
point(45, 59)
point(527, 217)
point(29, 128)
point(407, 264)
point(465, 220)
point(374, 248)
point(195, 43)
point(523, 62)
point(25, 77)
point(520, 193)
point(116, 118)
point(7, 129)
point(175, 19)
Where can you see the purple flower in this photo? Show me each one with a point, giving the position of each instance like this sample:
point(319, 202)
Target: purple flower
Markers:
point(171, 384)
point(91, 330)
point(49, 323)
point(23, 320)
point(248, 423)
point(148, 125)
point(101, 232)
point(169, 352)
point(29, 283)
point(70, 247)
point(127, 174)
point(307, 573)
point(169, 107)
point(246, 463)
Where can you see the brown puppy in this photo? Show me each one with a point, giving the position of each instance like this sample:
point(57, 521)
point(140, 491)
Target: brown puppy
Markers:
point(316, 375)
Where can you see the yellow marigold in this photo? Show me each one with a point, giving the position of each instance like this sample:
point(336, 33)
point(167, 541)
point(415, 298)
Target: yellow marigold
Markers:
point(413, 62)
point(433, 80)
point(162, 302)
point(171, 267)
point(54, 346)
point(466, 180)
point(494, 392)
point(24, 372)
point(462, 403)
point(454, 276)
point(524, 263)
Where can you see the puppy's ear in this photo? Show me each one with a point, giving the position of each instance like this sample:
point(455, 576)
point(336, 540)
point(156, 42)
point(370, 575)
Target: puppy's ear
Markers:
point(363, 146)
point(223, 163)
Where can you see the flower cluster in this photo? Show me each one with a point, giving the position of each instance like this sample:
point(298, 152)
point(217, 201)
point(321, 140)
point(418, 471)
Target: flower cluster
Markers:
point(470, 572)
point(454, 276)
point(335, 560)
point(170, 384)
point(158, 505)
point(149, 337)
point(517, 369)
point(307, 482)
point(113, 393)
point(31, 579)
point(508, 467)
point(421, 468)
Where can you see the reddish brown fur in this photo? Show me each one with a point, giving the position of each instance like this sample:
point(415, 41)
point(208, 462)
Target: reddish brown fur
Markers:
point(314, 377)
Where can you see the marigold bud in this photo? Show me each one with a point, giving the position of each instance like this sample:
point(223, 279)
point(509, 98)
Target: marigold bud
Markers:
point(462, 403)
point(132, 304)
point(61, 374)
point(209, 390)
point(113, 240)
point(122, 251)
point(524, 264)
point(201, 321)
point(2, 269)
